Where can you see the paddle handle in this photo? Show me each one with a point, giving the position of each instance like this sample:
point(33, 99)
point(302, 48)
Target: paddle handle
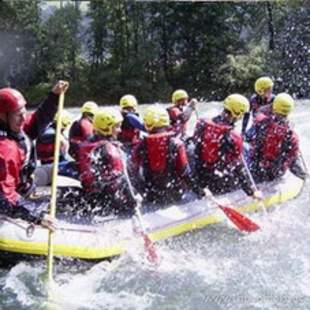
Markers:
point(137, 198)
point(149, 247)
point(245, 165)
point(304, 163)
point(52, 210)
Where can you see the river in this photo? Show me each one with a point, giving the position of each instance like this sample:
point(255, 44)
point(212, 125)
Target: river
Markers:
point(214, 268)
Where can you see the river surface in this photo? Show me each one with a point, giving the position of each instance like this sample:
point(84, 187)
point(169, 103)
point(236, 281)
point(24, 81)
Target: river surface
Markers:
point(214, 268)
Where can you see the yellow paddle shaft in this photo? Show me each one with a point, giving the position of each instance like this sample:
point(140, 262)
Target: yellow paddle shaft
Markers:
point(52, 210)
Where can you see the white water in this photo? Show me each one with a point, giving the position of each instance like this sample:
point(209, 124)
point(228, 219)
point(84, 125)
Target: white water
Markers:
point(215, 268)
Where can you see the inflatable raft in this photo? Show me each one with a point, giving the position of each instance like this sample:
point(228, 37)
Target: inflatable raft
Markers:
point(111, 236)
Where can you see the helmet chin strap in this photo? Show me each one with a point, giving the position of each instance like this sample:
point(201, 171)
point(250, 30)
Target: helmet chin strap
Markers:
point(8, 124)
point(4, 119)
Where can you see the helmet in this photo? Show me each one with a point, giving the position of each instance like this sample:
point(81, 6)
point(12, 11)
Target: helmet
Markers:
point(236, 104)
point(128, 101)
point(11, 100)
point(156, 117)
point(283, 104)
point(89, 107)
point(262, 84)
point(66, 119)
point(105, 119)
point(178, 95)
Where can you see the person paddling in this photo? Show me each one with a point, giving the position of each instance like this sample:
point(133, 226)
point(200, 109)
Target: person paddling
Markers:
point(131, 125)
point(82, 129)
point(100, 164)
point(181, 112)
point(46, 141)
point(261, 101)
point(219, 148)
point(162, 160)
point(274, 145)
point(17, 131)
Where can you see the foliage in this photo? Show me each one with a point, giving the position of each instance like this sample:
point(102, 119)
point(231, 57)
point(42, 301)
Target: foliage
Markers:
point(240, 71)
point(151, 48)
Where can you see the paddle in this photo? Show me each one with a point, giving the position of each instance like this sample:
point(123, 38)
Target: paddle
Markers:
point(52, 210)
point(242, 222)
point(304, 164)
point(253, 182)
point(149, 246)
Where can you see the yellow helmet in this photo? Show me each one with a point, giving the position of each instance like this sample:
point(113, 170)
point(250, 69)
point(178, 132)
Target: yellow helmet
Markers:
point(155, 117)
point(178, 95)
point(283, 104)
point(89, 107)
point(105, 119)
point(237, 105)
point(66, 119)
point(128, 101)
point(262, 84)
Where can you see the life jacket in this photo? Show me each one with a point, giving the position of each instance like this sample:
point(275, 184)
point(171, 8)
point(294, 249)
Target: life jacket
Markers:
point(177, 124)
point(212, 148)
point(19, 154)
point(45, 146)
point(274, 141)
point(79, 132)
point(128, 133)
point(111, 169)
point(157, 156)
point(257, 103)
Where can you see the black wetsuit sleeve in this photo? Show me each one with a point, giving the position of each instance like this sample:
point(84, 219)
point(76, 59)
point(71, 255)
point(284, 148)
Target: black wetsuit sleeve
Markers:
point(192, 182)
point(245, 122)
point(26, 210)
point(42, 117)
point(243, 178)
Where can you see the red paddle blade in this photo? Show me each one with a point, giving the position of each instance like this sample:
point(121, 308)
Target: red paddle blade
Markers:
point(240, 220)
point(150, 249)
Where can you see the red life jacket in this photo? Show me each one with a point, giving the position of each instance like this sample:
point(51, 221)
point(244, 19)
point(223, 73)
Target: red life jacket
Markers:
point(212, 142)
point(128, 133)
point(178, 125)
point(79, 132)
point(273, 142)
point(113, 167)
point(17, 160)
point(17, 163)
point(45, 146)
point(157, 151)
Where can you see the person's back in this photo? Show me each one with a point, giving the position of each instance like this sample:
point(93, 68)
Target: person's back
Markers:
point(260, 102)
point(101, 168)
point(82, 129)
point(219, 149)
point(159, 152)
point(181, 112)
point(131, 125)
point(166, 174)
point(45, 144)
point(99, 163)
point(274, 144)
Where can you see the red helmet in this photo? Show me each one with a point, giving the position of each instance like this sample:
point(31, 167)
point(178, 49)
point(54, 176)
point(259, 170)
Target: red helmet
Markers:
point(11, 100)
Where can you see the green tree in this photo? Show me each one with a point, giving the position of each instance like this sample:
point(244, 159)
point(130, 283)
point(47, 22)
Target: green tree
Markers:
point(20, 31)
point(61, 44)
